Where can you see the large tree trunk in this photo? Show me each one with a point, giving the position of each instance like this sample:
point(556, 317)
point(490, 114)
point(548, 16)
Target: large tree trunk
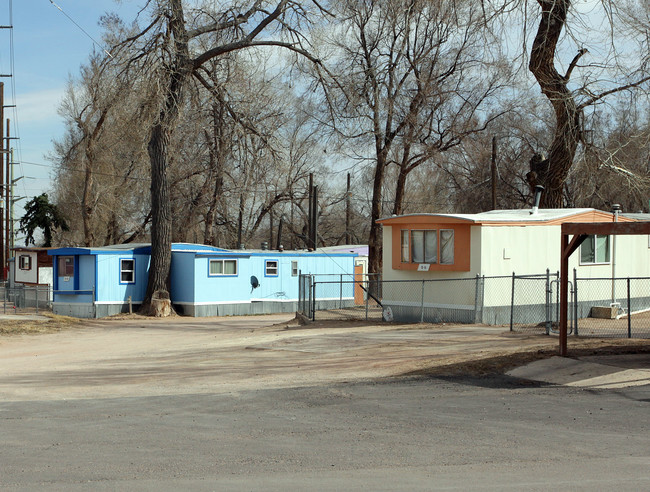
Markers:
point(161, 224)
point(552, 172)
point(88, 206)
point(374, 238)
point(217, 158)
point(87, 203)
point(400, 188)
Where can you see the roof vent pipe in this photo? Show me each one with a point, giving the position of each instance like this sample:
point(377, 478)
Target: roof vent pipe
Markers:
point(538, 197)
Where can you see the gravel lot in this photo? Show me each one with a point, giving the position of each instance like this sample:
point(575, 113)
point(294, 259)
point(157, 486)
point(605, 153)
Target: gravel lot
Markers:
point(261, 403)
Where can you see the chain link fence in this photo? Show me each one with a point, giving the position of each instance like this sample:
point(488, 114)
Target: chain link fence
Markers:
point(340, 297)
point(25, 298)
point(523, 303)
point(606, 307)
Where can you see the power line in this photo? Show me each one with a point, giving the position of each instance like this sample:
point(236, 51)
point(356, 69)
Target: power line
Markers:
point(99, 45)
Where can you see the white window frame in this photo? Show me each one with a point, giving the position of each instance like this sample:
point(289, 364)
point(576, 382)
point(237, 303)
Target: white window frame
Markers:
point(270, 270)
point(294, 268)
point(594, 241)
point(124, 270)
point(223, 267)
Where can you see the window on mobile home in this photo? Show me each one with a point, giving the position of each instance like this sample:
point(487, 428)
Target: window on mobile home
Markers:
point(127, 271)
point(25, 262)
point(427, 246)
point(66, 266)
point(594, 250)
point(424, 247)
point(271, 269)
point(223, 268)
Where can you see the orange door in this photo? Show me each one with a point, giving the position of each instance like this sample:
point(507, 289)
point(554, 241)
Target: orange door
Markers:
point(358, 291)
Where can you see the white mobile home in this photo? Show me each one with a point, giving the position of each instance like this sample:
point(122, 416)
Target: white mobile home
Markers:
point(492, 244)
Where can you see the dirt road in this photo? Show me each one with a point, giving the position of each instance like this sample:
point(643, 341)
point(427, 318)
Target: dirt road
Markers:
point(148, 357)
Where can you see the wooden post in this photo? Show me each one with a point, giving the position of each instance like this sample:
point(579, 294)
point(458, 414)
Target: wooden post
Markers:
point(564, 289)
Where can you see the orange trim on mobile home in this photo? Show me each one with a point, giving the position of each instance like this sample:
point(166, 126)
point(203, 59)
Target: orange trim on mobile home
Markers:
point(462, 223)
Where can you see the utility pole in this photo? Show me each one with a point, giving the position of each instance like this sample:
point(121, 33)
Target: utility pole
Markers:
point(279, 244)
point(494, 173)
point(310, 214)
point(347, 213)
point(314, 239)
point(8, 226)
point(271, 228)
point(5, 184)
point(292, 227)
point(3, 256)
point(240, 221)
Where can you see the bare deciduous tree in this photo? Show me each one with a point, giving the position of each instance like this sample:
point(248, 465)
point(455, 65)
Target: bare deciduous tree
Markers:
point(415, 79)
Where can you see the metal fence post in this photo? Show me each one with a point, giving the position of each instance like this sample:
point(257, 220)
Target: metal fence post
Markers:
point(37, 299)
point(365, 294)
point(549, 295)
point(512, 302)
point(422, 304)
point(629, 310)
point(476, 287)
point(341, 292)
point(313, 301)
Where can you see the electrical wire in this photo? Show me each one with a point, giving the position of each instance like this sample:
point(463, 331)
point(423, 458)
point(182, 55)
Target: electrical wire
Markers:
point(99, 45)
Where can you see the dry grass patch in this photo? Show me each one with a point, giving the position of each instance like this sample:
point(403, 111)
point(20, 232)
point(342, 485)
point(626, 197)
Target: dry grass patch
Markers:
point(48, 323)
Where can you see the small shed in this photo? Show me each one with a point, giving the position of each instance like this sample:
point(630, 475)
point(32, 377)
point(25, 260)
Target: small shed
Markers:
point(32, 266)
point(493, 244)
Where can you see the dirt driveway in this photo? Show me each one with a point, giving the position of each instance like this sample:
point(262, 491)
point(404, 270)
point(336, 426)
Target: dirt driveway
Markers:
point(136, 356)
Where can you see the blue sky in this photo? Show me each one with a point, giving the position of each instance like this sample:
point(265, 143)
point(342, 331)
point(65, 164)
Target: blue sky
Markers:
point(47, 49)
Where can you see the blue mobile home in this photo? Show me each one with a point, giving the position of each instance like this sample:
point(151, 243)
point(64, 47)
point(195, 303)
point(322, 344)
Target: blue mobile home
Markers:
point(205, 280)
point(212, 282)
point(97, 282)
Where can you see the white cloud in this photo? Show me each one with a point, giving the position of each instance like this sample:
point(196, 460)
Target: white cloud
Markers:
point(39, 106)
